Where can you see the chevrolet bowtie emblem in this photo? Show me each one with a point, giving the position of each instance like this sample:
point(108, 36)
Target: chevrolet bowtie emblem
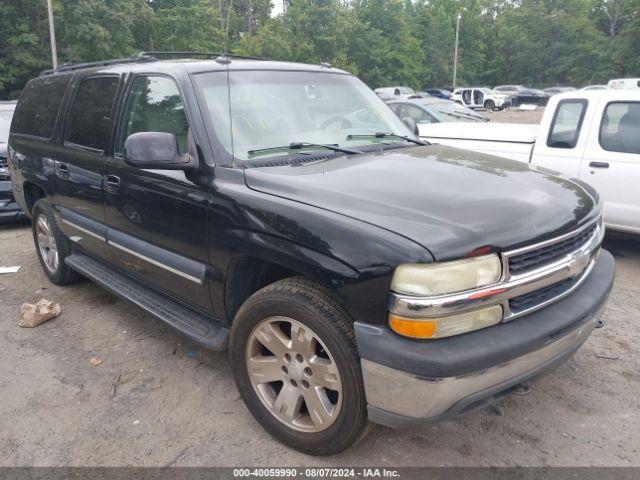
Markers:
point(578, 262)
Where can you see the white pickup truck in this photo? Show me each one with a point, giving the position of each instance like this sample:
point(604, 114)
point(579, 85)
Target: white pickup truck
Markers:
point(590, 135)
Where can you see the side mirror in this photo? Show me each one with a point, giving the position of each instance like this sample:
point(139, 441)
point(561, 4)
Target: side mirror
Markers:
point(411, 123)
point(156, 150)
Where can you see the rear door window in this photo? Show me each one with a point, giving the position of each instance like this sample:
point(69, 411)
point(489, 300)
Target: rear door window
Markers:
point(567, 123)
point(90, 117)
point(39, 104)
point(620, 127)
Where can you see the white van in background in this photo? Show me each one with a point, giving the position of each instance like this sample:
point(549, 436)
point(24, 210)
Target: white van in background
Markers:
point(624, 83)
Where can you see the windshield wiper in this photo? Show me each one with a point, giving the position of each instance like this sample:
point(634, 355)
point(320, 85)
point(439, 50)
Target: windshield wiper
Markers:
point(464, 115)
point(300, 146)
point(387, 134)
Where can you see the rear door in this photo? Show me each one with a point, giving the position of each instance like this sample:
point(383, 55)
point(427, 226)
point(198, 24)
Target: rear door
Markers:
point(612, 162)
point(34, 136)
point(158, 218)
point(80, 163)
point(562, 145)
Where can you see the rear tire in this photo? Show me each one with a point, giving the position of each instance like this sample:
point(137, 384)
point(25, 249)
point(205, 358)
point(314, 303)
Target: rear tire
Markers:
point(52, 245)
point(294, 358)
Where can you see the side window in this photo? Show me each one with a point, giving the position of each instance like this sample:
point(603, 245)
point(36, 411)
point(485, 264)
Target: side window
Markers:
point(89, 123)
point(620, 128)
point(38, 106)
point(566, 124)
point(416, 113)
point(154, 105)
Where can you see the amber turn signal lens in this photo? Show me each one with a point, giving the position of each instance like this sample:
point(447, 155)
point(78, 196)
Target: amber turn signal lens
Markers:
point(410, 327)
point(441, 327)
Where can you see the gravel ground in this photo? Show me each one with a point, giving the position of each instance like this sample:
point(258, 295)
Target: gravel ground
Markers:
point(156, 400)
point(513, 115)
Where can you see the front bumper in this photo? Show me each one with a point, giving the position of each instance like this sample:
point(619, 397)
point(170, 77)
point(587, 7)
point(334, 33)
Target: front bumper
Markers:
point(408, 382)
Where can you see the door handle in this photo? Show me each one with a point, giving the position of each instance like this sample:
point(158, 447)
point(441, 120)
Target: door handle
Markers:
point(599, 164)
point(111, 183)
point(62, 169)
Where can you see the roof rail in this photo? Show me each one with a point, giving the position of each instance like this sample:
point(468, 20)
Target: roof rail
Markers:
point(211, 55)
point(68, 67)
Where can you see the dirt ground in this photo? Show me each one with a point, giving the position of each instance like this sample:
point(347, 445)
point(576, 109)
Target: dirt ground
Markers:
point(156, 400)
point(514, 115)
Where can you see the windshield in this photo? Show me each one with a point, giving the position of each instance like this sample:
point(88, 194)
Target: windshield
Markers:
point(274, 109)
point(5, 123)
point(452, 112)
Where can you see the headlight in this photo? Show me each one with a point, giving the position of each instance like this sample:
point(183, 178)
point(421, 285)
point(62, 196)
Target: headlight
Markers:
point(440, 327)
point(446, 277)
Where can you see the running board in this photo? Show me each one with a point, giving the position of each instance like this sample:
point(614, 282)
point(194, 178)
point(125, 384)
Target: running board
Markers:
point(196, 327)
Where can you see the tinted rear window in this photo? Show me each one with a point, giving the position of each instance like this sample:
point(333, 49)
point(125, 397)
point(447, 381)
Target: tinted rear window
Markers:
point(91, 114)
point(38, 106)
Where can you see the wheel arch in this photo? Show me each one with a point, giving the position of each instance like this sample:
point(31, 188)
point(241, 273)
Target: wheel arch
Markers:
point(32, 193)
point(246, 274)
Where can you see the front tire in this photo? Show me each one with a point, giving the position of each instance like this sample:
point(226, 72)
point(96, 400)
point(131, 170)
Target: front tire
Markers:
point(489, 105)
point(52, 245)
point(294, 358)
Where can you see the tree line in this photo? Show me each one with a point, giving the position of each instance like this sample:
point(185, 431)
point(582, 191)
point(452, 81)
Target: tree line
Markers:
point(385, 42)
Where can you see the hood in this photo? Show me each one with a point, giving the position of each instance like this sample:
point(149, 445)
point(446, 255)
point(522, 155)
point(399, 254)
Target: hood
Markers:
point(449, 201)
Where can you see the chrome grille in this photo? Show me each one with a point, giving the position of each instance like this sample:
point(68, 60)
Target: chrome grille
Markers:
point(524, 262)
point(529, 300)
point(533, 259)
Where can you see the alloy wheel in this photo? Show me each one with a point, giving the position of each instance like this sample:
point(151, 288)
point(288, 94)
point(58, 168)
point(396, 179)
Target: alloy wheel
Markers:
point(294, 374)
point(47, 243)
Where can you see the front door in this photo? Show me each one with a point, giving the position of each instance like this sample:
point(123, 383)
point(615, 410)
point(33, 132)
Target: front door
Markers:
point(158, 218)
point(80, 162)
point(612, 163)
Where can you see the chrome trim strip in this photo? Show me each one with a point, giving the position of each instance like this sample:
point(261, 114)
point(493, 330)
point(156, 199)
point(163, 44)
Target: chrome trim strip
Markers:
point(84, 230)
point(551, 241)
point(156, 263)
point(576, 263)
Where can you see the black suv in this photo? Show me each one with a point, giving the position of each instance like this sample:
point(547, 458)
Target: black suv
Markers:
point(283, 212)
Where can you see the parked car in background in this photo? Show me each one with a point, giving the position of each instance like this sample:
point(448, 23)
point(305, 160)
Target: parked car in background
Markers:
point(480, 98)
point(508, 89)
point(590, 135)
point(624, 83)
point(9, 209)
point(439, 93)
point(402, 92)
point(595, 87)
point(433, 110)
point(528, 96)
point(353, 272)
point(420, 94)
point(551, 91)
